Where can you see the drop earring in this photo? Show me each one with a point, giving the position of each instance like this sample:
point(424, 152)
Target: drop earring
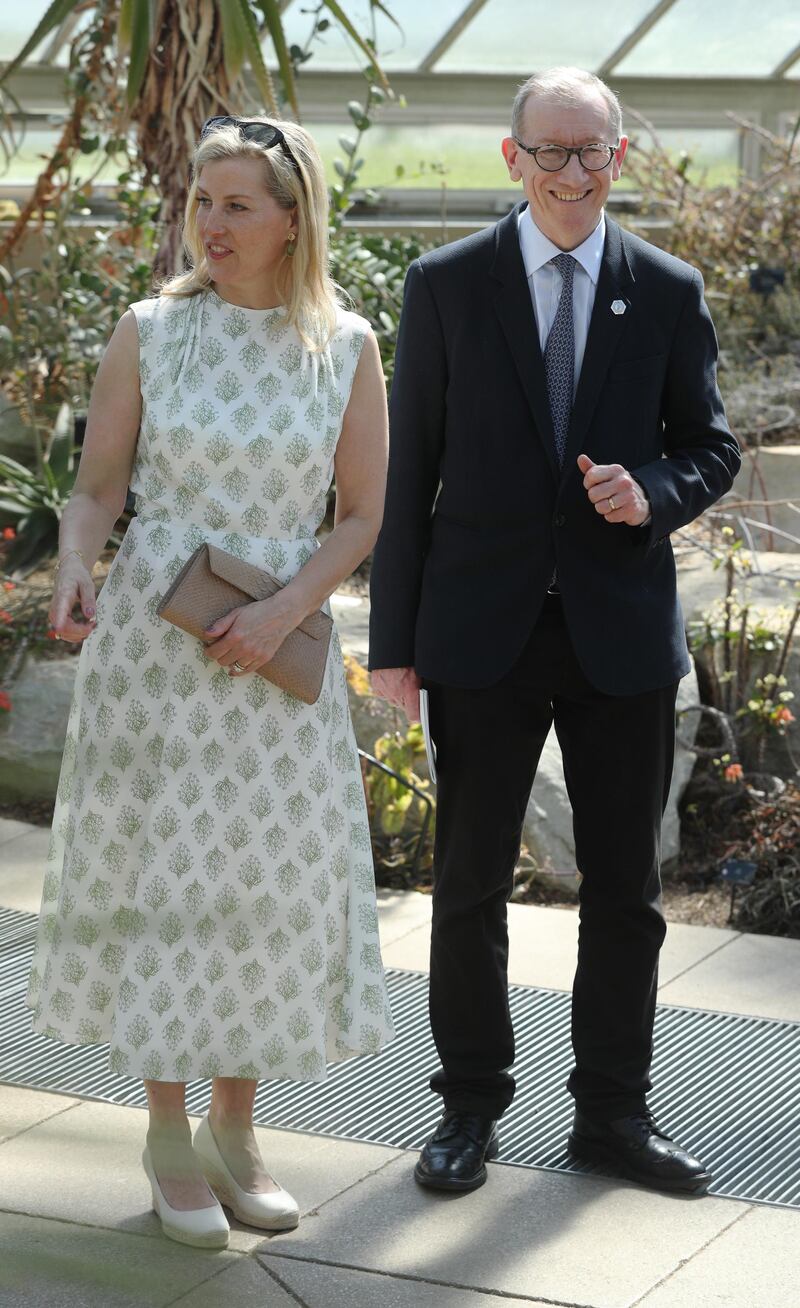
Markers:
point(290, 244)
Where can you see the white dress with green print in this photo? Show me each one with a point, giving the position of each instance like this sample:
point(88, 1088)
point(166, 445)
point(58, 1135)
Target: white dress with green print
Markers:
point(209, 899)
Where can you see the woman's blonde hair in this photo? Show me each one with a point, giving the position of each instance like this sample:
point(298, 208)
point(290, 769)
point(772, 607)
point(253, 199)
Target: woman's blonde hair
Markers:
point(304, 282)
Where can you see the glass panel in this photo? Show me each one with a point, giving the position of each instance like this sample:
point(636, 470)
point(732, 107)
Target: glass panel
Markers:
point(17, 26)
point(454, 154)
point(507, 36)
point(713, 151)
point(720, 38)
point(423, 23)
point(26, 165)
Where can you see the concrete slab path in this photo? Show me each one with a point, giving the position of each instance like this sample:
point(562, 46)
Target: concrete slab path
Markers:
point(77, 1230)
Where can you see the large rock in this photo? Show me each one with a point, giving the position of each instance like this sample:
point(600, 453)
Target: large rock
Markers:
point(16, 441)
point(778, 468)
point(32, 733)
point(547, 830)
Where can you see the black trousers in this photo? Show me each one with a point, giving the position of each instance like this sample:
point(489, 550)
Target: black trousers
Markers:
point(618, 754)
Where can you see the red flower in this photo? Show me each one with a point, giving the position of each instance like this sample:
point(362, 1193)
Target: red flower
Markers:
point(9, 533)
point(9, 585)
point(51, 635)
point(5, 702)
point(783, 714)
point(5, 615)
point(734, 772)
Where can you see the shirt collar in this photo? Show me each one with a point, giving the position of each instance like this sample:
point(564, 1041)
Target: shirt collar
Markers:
point(538, 249)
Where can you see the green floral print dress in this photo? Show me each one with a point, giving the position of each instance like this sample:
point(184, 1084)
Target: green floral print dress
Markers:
point(209, 898)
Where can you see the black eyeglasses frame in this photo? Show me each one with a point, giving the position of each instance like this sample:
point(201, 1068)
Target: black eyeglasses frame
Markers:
point(533, 151)
point(253, 129)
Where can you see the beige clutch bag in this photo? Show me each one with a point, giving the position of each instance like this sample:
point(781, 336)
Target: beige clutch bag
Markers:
point(212, 582)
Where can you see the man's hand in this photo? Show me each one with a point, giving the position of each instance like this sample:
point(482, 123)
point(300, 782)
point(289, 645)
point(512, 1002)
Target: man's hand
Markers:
point(401, 687)
point(614, 492)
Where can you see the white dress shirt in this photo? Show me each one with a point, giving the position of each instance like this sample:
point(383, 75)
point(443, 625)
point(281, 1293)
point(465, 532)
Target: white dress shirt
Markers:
point(545, 281)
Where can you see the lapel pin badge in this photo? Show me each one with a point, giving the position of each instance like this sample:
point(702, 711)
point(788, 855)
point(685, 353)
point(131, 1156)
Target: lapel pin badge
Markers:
point(618, 306)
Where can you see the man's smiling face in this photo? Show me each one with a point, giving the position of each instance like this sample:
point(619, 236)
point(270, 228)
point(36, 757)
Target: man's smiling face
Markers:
point(565, 205)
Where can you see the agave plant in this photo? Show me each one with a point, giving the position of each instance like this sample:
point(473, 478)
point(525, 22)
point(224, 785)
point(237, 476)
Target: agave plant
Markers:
point(185, 62)
point(36, 496)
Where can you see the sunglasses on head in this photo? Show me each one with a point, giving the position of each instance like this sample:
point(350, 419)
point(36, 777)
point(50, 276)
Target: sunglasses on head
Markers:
point(252, 130)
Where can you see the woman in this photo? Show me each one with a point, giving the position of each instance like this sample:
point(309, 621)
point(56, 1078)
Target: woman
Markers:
point(209, 903)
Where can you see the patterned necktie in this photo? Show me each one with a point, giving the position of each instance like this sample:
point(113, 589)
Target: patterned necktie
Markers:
point(559, 357)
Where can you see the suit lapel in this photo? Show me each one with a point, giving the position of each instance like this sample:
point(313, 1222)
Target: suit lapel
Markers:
point(515, 311)
point(605, 331)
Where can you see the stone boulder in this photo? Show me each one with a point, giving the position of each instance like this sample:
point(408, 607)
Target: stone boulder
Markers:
point(547, 830)
point(32, 733)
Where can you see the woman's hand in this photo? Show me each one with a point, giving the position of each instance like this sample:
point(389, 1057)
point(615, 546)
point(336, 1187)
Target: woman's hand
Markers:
point(73, 585)
point(250, 635)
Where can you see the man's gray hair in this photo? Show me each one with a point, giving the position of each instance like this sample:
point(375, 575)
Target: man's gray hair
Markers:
point(567, 86)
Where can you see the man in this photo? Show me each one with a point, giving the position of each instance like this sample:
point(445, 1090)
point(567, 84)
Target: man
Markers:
point(554, 416)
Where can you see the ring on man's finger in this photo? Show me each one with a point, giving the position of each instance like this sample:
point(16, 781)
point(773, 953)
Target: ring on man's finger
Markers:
point(612, 505)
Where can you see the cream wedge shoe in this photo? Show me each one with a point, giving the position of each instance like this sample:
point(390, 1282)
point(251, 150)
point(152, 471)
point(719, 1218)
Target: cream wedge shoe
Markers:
point(206, 1228)
point(269, 1212)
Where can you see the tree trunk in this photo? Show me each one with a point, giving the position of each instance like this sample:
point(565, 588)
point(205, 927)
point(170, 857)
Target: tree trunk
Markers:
point(184, 84)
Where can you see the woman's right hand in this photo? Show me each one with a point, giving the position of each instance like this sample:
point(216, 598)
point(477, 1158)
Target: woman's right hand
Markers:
point(73, 586)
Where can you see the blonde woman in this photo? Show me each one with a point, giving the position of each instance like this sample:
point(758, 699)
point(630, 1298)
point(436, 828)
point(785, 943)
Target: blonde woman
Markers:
point(209, 903)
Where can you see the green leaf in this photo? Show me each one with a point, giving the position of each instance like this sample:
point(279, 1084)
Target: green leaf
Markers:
point(344, 21)
point(59, 455)
point(14, 470)
point(137, 31)
point(272, 16)
point(376, 4)
point(58, 11)
point(37, 539)
point(234, 36)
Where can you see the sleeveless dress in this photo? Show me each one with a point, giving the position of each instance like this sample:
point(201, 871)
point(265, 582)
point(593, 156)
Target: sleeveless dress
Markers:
point(209, 899)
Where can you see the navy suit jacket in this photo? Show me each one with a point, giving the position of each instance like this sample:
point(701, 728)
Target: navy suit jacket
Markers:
point(478, 513)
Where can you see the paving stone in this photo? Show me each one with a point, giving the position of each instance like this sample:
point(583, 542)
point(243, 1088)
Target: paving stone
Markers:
point(534, 1234)
point(338, 1287)
point(10, 828)
point(401, 912)
point(756, 975)
point(685, 946)
point(85, 1166)
point(49, 1264)
point(246, 1284)
point(753, 1264)
point(21, 1108)
point(543, 945)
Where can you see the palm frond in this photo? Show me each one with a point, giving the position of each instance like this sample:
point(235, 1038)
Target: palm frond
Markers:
point(272, 16)
point(58, 11)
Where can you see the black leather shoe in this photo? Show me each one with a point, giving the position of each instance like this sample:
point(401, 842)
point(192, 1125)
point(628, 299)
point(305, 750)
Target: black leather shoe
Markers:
point(454, 1157)
point(640, 1150)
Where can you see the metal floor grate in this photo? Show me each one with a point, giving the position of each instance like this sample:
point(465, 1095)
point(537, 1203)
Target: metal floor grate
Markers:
point(729, 1085)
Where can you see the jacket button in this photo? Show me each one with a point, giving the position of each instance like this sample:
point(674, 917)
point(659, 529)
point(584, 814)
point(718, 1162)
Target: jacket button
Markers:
point(561, 519)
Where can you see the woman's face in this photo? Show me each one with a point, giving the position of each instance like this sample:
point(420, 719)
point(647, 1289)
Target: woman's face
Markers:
point(243, 229)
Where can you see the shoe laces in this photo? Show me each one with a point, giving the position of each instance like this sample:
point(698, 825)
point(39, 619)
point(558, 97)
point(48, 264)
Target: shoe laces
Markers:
point(460, 1124)
point(648, 1123)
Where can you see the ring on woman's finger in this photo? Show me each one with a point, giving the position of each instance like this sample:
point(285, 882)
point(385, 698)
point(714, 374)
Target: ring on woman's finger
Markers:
point(237, 666)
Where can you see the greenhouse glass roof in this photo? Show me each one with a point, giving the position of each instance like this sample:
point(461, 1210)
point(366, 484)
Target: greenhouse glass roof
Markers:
point(633, 38)
point(696, 69)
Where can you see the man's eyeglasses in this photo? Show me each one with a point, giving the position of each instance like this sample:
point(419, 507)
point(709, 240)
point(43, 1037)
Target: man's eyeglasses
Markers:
point(552, 158)
point(252, 130)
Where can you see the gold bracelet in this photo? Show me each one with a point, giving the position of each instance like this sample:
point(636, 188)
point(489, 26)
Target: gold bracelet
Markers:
point(65, 556)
